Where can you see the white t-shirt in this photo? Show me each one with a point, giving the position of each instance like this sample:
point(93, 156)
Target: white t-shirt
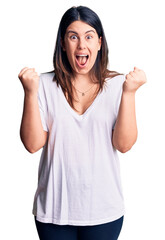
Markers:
point(79, 174)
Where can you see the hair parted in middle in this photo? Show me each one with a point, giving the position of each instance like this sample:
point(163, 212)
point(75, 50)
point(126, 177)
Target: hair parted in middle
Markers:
point(62, 68)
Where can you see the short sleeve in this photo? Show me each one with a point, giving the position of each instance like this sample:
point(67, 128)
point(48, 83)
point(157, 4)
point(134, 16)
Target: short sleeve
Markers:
point(42, 104)
point(119, 90)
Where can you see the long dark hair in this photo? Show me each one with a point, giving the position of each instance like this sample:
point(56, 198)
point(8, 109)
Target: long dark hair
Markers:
point(62, 67)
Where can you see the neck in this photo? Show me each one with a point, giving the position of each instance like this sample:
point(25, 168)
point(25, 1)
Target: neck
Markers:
point(82, 80)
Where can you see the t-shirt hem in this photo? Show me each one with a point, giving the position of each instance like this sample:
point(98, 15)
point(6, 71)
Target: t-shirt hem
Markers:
point(78, 223)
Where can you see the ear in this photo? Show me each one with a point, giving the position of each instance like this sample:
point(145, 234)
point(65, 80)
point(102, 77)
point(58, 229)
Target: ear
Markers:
point(62, 45)
point(100, 42)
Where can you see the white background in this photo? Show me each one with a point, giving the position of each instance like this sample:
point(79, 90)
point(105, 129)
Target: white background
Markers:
point(135, 35)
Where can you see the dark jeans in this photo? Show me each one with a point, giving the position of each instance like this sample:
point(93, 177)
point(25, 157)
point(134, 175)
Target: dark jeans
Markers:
point(106, 231)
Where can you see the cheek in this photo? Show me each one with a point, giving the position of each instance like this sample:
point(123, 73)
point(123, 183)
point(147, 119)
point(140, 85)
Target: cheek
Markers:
point(94, 53)
point(94, 48)
point(70, 52)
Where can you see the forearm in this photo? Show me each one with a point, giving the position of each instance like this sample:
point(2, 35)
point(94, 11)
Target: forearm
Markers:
point(125, 132)
point(31, 130)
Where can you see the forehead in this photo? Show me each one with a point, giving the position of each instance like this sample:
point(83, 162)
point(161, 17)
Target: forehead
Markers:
point(80, 27)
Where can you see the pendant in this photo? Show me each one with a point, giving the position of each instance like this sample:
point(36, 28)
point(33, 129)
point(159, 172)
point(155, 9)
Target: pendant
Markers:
point(83, 94)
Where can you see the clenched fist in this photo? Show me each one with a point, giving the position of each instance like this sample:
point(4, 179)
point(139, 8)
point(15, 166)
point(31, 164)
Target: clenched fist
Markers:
point(134, 80)
point(29, 79)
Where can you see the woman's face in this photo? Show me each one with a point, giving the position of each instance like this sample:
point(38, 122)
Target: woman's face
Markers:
point(81, 43)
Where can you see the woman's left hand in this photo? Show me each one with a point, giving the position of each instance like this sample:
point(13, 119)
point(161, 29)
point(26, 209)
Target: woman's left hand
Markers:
point(134, 80)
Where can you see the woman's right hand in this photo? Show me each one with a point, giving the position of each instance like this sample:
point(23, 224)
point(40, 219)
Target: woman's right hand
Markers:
point(29, 79)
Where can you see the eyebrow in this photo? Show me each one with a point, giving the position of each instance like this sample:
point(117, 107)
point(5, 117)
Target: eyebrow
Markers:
point(70, 31)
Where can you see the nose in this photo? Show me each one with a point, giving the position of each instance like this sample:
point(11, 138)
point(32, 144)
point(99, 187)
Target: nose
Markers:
point(81, 43)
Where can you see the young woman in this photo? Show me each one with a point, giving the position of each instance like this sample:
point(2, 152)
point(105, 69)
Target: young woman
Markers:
point(81, 113)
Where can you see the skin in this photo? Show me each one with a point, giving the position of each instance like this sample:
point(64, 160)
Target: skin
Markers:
point(80, 38)
point(31, 131)
point(124, 134)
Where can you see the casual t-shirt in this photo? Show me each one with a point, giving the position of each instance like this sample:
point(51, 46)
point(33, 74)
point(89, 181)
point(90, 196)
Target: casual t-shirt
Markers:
point(79, 174)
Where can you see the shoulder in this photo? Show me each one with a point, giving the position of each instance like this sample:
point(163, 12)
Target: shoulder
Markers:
point(117, 80)
point(115, 84)
point(47, 76)
point(46, 79)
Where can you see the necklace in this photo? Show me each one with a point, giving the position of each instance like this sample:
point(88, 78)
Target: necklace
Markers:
point(83, 93)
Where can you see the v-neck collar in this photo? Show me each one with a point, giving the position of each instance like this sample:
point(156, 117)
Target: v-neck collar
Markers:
point(72, 111)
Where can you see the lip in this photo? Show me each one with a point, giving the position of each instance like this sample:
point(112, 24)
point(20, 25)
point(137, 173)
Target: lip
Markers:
point(82, 66)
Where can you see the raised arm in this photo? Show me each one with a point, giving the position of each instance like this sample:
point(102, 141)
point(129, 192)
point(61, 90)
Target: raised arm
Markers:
point(31, 130)
point(125, 132)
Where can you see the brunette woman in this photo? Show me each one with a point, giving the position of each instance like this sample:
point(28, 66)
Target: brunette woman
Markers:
point(81, 113)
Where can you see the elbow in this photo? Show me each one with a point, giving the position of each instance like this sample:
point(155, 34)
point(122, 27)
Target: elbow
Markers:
point(123, 146)
point(30, 149)
point(30, 146)
point(124, 149)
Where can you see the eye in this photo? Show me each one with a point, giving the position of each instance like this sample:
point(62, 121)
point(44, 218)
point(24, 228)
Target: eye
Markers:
point(73, 37)
point(89, 37)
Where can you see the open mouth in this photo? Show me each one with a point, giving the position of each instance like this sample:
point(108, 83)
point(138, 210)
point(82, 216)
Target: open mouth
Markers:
point(82, 60)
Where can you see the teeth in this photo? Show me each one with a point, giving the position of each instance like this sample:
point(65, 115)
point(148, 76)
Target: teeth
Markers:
point(82, 55)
